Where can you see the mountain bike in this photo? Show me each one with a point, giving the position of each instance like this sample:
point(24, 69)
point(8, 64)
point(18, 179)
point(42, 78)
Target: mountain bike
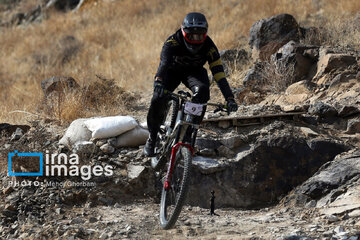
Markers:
point(175, 148)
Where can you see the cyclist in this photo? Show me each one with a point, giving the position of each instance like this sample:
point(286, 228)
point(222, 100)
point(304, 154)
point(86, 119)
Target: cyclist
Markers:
point(182, 59)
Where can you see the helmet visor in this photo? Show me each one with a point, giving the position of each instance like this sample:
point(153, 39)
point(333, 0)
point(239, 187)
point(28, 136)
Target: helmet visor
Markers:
point(194, 35)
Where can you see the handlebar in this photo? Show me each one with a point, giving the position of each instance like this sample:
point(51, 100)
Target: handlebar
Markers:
point(186, 97)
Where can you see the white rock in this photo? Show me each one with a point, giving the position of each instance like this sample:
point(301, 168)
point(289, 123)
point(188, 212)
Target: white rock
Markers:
point(339, 229)
point(107, 148)
point(308, 132)
point(104, 235)
point(332, 218)
point(355, 213)
point(134, 171)
point(224, 124)
point(207, 165)
point(99, 143)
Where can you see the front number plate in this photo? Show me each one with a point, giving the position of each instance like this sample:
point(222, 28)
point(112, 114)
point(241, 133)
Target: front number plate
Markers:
point(193, 108)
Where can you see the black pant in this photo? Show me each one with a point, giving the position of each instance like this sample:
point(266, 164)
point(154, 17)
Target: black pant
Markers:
point(196, 80)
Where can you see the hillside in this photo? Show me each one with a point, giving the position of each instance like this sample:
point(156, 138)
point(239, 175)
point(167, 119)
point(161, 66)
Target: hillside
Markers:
point(121, 40)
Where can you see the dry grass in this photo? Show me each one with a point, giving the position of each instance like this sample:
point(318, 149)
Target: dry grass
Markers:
point(122, 40)
point(342, 32)
point(275, 78)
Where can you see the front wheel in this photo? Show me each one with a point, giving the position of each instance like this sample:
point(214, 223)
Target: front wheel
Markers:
point(173, 199)
point(158, 161)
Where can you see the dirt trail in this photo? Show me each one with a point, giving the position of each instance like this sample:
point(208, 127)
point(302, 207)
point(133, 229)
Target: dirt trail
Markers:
point(140, 221)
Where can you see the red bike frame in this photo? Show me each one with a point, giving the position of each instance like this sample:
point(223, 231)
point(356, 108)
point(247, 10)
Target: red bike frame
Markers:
point(172, 162)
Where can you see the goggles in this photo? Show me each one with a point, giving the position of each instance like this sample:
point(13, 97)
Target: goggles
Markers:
point(194, 35)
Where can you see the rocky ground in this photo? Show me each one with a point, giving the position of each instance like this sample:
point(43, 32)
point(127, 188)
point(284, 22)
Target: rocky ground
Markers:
point(139, 220)
point(126, 205)
point(285, 166)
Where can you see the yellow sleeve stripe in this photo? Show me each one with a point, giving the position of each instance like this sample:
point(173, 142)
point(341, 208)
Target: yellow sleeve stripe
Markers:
point(219, 76)
point(215, 63)
point(173, 41)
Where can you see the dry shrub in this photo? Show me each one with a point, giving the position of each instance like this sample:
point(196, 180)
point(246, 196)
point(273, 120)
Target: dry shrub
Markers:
point(275, 77)
point(105, 92)
point(99, 97)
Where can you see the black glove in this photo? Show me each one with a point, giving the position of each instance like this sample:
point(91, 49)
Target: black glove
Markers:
point(231, 105)
point(159, 88)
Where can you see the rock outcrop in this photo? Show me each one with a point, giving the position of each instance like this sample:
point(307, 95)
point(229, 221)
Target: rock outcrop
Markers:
point(268, 35)
point(334, 189)
point(298, 56)
point(260, 173)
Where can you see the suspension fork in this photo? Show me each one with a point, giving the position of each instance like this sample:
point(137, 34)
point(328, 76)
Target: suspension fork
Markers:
point(174, 150)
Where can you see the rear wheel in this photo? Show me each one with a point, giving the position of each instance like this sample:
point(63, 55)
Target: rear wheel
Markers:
point(173, 199)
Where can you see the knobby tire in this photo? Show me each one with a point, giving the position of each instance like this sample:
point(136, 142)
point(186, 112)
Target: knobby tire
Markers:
point(170, 115)
point(167, 220)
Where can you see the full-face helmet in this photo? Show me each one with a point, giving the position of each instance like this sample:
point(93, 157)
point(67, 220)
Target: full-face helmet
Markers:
point(194, 29)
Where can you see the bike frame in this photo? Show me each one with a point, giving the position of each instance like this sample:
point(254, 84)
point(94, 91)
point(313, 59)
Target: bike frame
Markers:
point(174, 150)
point(176, 133)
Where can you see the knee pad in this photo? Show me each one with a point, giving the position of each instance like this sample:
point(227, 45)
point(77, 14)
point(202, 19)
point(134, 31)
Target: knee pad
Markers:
point(201, 94)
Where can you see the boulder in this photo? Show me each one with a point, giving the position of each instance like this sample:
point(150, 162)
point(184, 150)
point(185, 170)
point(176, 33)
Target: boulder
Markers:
point(308, 132)
point(207, 143)
point(134, 171)
point(301, 87)
point(253, 76)
point(260, 173)
point(347, 110)
point(333, 61)
point(268, 35)
point(232, 142)
point(331, 180)
point(344, 203)
point(58, 84)
point(107, 148)
point(341, 78)
point(292, 102)
point(293, 55)
point(322, 110)
point(353, 126)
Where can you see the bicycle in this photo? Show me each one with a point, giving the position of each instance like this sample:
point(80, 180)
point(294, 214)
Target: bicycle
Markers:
point(175, 146)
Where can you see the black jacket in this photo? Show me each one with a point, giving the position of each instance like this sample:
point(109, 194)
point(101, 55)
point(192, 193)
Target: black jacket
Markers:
point(175, 56)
